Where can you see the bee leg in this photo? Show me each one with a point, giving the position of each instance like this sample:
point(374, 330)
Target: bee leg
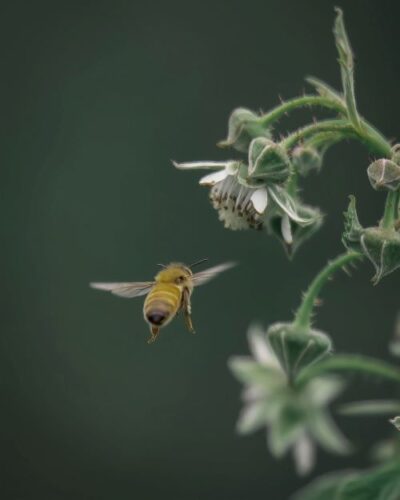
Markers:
point(153, 334)
point(188, 321)
point(187, 311)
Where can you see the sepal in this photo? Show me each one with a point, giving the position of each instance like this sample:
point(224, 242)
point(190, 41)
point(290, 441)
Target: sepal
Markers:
point(296, 349)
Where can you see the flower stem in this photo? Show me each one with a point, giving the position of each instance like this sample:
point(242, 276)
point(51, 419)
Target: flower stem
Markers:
point(391, 209)
point(300, 102)
point(303, 315)
point(315, 128)
point(367, 134)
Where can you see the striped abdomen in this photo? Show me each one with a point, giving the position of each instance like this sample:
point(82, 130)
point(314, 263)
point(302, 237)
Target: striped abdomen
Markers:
point(162, 303)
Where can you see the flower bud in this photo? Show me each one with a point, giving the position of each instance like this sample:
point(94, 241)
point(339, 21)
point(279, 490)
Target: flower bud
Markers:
point(384, 174)
point(305, 159)
point(268, 161)
point(296, 349)
point(382, 247)
point(243, 126)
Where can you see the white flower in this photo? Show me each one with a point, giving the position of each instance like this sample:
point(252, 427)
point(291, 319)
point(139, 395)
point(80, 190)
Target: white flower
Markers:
point(242, 202)
point(295, 417)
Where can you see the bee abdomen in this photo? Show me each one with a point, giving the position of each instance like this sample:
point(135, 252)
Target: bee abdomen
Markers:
point(162, 304)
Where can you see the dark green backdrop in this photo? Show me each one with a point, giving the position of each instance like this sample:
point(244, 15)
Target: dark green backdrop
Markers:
point(97, 98)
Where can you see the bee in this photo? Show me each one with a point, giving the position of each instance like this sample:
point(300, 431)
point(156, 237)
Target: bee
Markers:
point(168, 294)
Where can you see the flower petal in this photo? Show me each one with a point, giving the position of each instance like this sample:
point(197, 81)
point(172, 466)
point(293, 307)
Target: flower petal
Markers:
point(283, 199)
point(193, 165)
point(304, 454)
point(260, 348)
point(286, 230)
point(214, 178)
point(259, 200)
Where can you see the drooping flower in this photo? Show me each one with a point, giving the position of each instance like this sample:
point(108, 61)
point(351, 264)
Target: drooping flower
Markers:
point(295, 417)
point(244, 195)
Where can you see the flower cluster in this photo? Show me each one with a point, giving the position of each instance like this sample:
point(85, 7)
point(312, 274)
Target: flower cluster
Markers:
point(256, 194)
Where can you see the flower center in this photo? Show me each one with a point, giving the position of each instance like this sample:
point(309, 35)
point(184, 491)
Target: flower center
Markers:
point(235, 209)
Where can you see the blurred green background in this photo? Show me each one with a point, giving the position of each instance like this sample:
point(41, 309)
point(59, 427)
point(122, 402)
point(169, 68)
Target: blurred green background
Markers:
point(97, 98)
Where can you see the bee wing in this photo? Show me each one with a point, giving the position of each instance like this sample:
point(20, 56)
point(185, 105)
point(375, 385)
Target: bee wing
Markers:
point(205, 276)
point(126, 290)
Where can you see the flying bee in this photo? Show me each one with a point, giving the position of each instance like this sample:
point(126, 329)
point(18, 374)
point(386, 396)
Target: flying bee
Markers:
point(168, 294)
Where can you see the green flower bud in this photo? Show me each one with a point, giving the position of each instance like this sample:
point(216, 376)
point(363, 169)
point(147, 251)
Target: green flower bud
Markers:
point(382, 247)
point(384, 174)
point(243, 126)
point(296, 349)
point(306, 159)
point(292, 234)
point(268, 161)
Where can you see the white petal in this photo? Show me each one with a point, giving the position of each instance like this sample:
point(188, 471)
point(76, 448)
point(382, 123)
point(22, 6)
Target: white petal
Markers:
point(286, 230)
point(213, 165)
point(259, 200)
point(260, 348)
point(304, 454)
point(212, 179)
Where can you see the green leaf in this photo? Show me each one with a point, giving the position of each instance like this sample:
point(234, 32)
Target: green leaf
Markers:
point(380, 483)
point(352, 363)
point(326, 90)
point(326, 487)
point(377, 407)
point(347, 67)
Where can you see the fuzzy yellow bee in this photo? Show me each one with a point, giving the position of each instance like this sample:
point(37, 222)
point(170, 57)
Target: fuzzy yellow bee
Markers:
point(168, 294)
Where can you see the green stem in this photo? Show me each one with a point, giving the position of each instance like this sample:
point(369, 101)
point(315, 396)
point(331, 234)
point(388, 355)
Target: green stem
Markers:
point(366, 134)
point(351, 363)
point(391, 210)
point(303, 315)
point(315, 128)
point(300, 102)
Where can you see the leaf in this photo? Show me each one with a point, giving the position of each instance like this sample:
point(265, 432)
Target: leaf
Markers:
point(377, 407)
point(325, 487)
point(326, 90)
point(380, 483)
point(347, 67)
point(352, 363)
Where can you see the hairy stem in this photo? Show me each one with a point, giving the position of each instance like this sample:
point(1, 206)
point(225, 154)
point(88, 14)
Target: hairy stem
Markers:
point(300, 102)
point(303, 315)
point(391, 209)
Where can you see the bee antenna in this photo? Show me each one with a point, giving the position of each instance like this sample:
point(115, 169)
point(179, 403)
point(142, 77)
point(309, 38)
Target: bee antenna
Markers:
point(162, 265)
point(198, 262)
